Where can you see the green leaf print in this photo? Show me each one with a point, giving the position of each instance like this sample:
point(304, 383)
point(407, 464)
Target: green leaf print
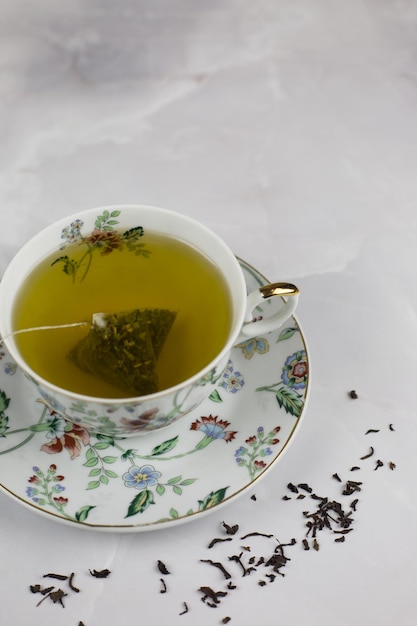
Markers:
point(82, 514)
point(213, 498)
point(290, 401)
point(166, 446)
point(140, 503)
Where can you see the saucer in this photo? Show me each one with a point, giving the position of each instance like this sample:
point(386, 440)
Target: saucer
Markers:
point(171, 476)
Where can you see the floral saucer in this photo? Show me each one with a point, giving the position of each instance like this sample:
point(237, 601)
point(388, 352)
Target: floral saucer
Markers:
point(171, 476)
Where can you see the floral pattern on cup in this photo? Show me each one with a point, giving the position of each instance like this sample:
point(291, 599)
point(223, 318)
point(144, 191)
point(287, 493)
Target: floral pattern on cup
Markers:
point(103, 239)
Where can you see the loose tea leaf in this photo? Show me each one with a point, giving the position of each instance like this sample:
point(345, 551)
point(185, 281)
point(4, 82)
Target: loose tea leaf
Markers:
point(42, 590)
point(100, 573)
point(238, 559)
point(123, 348)
point(56, 576)
point(218, 540)
point(256, 534)
point(219, 566)
point(230, 530)
point(163, 568)
point(210, 594)
point(71, 584)
point(351, 487)
point(370, 453)
point(56, 596)
point(185, 609)
point(305, 487)
point(276, 561)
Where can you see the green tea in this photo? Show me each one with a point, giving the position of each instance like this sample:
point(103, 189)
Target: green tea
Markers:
point(112, 272)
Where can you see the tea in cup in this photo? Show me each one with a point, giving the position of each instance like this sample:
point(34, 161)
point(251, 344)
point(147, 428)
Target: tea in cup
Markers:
point(122, 316)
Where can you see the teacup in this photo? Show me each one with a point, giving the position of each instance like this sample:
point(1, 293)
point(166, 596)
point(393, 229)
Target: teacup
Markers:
point(105, 232)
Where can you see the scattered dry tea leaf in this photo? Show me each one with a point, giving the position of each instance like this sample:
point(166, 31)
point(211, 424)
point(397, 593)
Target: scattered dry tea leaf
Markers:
point(230, 530)
point(104, 573)
point(162, 568)
point(185, 605)
point(219, 565)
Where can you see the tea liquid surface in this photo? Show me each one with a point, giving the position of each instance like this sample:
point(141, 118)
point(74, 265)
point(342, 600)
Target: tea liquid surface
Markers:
point(172, 276)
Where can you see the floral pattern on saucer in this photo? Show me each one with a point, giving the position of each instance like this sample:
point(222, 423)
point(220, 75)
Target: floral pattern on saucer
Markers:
point(165, 477)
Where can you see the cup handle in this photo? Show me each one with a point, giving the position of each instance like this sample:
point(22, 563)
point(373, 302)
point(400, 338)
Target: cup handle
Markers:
point(256, 328)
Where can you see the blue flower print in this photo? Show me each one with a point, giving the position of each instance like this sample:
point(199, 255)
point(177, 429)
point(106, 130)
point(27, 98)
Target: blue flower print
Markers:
point(72, 232)
point(31, 491)
point(265, 452)
point(141, 477)
point(232, 381)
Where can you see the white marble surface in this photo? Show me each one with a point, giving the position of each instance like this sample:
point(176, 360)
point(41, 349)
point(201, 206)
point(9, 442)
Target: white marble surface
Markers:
point(290, 128)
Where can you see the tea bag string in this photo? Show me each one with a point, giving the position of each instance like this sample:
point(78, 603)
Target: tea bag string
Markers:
point(98, 319)
point(39, 328)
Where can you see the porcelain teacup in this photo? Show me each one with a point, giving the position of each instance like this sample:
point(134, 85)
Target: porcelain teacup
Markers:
point(130, 416)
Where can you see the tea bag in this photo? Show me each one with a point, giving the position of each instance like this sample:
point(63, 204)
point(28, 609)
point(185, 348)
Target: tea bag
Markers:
point(123, 348)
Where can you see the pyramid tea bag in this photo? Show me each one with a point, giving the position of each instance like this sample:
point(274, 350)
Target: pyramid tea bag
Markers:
point(123, 348)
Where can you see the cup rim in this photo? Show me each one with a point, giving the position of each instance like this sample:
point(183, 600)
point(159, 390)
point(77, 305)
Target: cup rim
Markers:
point(75, 396)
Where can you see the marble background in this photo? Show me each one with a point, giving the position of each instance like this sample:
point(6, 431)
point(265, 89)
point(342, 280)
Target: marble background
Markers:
point(290, 128)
